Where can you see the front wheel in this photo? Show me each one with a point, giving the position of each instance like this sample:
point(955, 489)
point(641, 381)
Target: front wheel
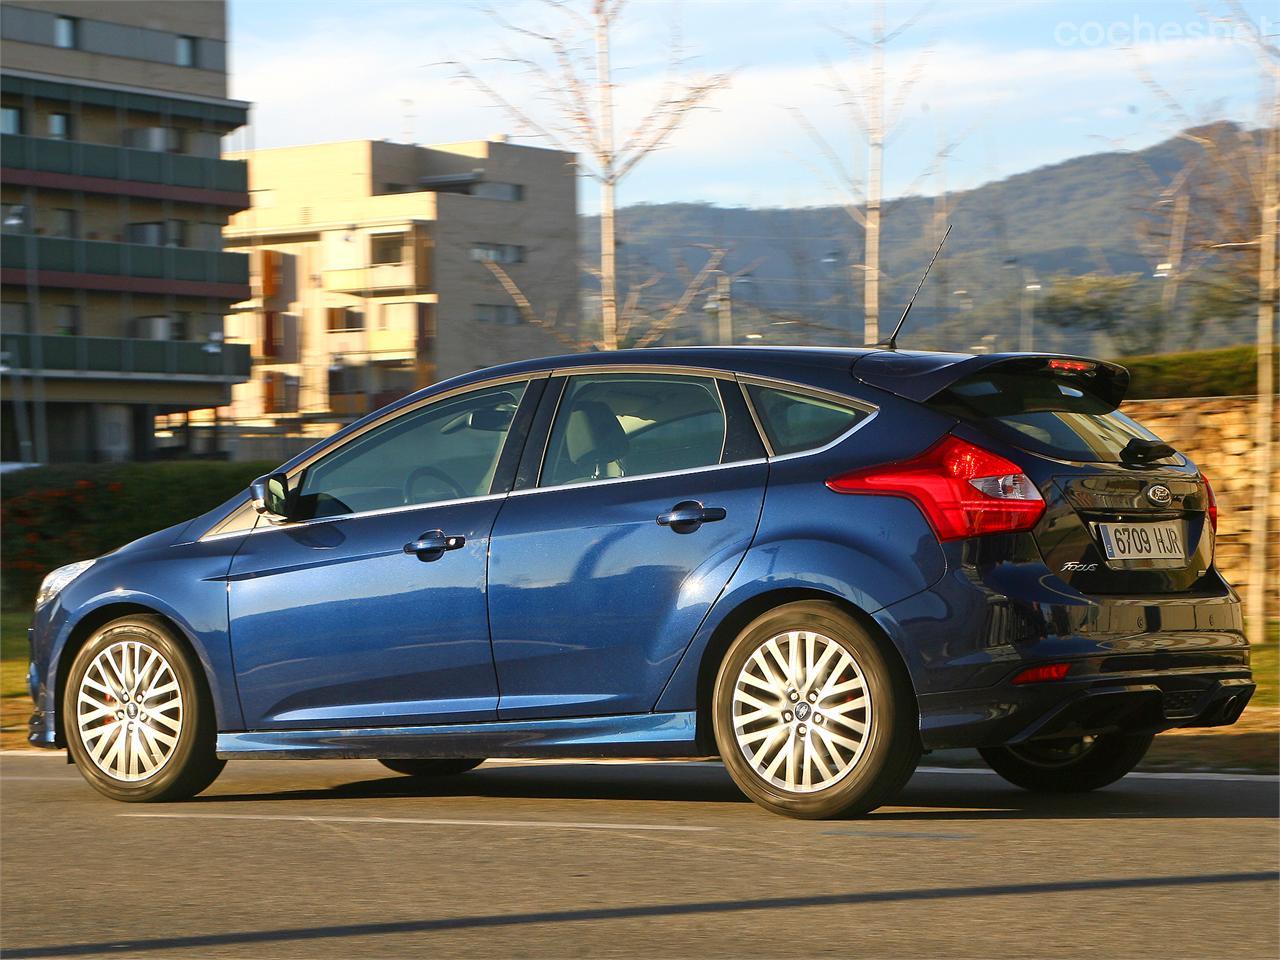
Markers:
point(813, 716)
point(138, 719)
point(1072, 765)
point(430, 768)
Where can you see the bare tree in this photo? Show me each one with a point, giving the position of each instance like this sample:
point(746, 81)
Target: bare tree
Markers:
point(1254, 167)
point(577, 80)
point(865, 104)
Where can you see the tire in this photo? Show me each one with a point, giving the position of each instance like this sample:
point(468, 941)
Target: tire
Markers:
point(137, 716)
point(431, 768)
point(771, 742)
point(1068, 766)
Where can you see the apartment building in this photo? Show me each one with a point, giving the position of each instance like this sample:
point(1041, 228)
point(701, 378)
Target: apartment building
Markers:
point(114, 192)
point(368, 267)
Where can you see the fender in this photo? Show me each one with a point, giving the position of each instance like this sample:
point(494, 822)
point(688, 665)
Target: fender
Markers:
point(193, 581)
point(847, 554)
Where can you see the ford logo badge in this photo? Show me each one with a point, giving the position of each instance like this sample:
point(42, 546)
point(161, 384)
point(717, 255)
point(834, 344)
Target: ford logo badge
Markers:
point(1160, 495)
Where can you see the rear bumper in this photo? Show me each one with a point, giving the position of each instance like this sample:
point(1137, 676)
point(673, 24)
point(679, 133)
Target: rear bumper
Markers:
point(1096, 703)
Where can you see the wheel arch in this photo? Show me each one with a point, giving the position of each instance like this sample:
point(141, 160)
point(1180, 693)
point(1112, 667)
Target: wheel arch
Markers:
point(93, 621)
point(733, 623)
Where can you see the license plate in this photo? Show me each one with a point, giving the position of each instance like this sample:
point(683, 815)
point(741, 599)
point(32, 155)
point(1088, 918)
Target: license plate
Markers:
point(1142, 541)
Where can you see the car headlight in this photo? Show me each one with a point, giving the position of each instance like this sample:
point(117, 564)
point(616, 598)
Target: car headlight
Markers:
point(57, 580)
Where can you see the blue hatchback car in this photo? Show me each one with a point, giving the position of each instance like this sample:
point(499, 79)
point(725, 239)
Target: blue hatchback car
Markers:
point(813, 563)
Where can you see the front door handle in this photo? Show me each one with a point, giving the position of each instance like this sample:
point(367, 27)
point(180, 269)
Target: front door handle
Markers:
point(433, 544)
point(688, 515)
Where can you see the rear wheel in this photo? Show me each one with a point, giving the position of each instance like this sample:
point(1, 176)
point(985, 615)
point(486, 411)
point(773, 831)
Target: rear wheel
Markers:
point(431, 768)
point(1072, 765)
point(138, 719)
point(812, 717)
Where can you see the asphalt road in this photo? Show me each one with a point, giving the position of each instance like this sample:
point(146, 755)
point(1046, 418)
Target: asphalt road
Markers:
point(342, 859)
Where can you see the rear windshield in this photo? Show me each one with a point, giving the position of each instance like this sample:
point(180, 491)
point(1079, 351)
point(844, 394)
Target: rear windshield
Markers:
point(1056, 416)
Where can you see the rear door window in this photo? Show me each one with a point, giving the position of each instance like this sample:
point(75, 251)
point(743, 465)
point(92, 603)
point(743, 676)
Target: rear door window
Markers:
point(799, 421)
point(1046, 414)
point(628, 425)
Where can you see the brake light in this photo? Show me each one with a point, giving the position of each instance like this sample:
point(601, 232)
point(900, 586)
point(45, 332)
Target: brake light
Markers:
point(1211, 502)
point(962, 489)
point(1071, 366)
point(1049, 671)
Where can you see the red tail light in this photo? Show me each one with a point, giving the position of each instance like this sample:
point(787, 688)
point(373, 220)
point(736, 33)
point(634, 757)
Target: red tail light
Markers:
point(962, 489)
point(1211, 503)
point(1049, 671)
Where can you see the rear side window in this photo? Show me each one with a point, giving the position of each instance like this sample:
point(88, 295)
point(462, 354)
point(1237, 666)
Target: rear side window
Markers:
point(1052, 415)
point(627, 425)
point(797, 421)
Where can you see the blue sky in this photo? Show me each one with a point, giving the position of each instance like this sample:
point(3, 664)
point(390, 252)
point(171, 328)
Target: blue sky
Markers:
point(1017, 84)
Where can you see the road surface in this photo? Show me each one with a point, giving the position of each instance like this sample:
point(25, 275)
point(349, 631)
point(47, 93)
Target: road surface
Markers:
point(343, 859)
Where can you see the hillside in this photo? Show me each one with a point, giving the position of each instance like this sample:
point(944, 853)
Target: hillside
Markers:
point(1084, 215)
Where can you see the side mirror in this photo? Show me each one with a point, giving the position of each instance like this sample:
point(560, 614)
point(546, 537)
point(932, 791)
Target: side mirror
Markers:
point(271, 495)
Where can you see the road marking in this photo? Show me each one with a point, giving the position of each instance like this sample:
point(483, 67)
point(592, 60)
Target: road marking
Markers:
point(1141, 775)
point(433, 822)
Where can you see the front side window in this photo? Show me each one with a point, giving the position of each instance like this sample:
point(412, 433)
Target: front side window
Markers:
point(627, 425)
point(800, 421)
point(447, 450)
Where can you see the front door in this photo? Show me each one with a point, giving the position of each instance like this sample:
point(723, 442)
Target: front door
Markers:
point(649, 495)
point(372, 611)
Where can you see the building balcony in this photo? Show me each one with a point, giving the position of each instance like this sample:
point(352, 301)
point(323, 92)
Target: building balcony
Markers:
point(119, 358)
point(99, 168)
point(409, 275)
point(133, 267)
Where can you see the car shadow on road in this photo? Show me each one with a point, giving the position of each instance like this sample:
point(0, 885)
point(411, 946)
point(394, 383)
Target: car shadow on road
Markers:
point(928, 796)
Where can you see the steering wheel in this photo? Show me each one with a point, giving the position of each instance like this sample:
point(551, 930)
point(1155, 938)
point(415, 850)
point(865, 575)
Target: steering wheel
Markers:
point(435, 473)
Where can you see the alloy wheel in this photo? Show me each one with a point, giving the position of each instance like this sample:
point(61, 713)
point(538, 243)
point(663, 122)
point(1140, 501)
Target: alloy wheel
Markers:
point(129, 711)
point(802, 711)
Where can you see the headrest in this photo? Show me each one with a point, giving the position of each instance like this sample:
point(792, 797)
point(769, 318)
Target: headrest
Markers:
point(593, 435)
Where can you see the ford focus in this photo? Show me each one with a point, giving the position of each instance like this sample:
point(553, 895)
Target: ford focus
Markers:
point(815, 564)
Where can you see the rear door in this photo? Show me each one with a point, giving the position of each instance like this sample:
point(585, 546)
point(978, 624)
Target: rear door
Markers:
point(603, 567)
point(1124, 515)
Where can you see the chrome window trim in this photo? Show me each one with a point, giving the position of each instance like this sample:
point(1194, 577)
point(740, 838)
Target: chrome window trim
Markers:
point(639, 476)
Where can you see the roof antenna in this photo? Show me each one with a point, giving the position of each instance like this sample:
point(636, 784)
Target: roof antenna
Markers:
point(892, 342)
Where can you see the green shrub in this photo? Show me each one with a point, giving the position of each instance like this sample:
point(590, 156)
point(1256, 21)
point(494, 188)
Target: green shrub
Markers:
point(58, 514)
point(1231, 372)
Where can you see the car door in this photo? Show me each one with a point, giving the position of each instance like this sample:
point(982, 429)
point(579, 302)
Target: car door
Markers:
point(371, 612)
point(647, 496)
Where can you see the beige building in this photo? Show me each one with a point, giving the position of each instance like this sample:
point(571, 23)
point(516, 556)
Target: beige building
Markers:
point(114, 196)
point(368, 274)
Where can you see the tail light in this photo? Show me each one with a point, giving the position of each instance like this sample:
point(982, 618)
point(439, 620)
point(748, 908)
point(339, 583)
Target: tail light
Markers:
point(1211, 503)
point(1042, 674)
point(962, 489)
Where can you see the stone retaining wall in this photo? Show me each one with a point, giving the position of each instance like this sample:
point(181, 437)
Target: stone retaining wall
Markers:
point(1217, 433)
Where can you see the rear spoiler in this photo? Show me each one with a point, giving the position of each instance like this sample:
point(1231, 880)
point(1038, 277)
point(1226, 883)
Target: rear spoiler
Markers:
point(922, 376)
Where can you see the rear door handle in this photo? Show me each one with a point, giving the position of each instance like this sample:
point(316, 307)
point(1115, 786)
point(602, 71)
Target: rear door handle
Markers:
point(688, 515)
point(433, 544)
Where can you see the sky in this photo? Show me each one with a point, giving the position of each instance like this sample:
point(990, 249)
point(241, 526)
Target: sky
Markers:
point(1000, 86)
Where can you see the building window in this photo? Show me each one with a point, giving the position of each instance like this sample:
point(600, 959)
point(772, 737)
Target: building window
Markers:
point(60, 126)
point(272, 334)
point(186, 52)
point(66, 223)
point(156, 139)
point(15, 218)
point(66, 33)
point(344, 319)
point(507, 314)
point(15, 317)
point(497, 252)
point(279, 393)
point(151, 233)
point(11, 120)
point(497, 191)
point(66, 320)
point(176, 233)
point(386, 248)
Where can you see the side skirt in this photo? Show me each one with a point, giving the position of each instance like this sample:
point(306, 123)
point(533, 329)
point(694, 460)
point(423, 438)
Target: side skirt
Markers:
point(632, 735)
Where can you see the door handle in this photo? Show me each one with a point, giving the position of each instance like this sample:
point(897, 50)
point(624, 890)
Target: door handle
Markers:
point(688, 515)
point(433, 544)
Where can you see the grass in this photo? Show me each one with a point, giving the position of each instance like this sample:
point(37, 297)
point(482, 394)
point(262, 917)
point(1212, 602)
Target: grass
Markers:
point(15, 704)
